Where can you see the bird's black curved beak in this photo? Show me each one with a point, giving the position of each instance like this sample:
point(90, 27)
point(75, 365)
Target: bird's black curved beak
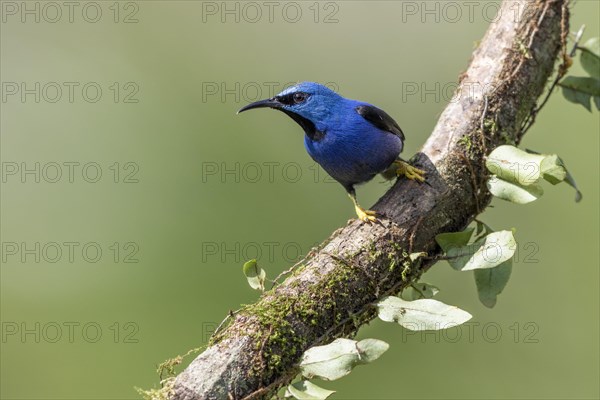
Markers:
point(270, 103)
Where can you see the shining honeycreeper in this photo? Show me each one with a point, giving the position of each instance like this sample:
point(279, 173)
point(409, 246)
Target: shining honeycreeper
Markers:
point(353, 141)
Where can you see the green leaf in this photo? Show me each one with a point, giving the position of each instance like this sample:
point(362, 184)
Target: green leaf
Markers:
point(335, 360)
point(580, 90)
point(370, 350)
point(305, 390)
point(514, 165)
point(250, 268)
point(589, 86)
point(514, 192)
point(454, 239)
point(420, 290)
point(419, 315)
point(553, 169)
point(577, 97)
point(490, 282)
point(330, 362)
point(571, 182)
point(590, 57)
point(488, 252)
point(593, 46)
point(482, 228)
point(255, 275)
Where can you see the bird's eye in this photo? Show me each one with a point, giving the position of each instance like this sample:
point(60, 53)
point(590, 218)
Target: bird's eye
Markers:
point(299, 97)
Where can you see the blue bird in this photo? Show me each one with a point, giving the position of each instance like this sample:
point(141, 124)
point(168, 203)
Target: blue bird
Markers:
point(352, 140)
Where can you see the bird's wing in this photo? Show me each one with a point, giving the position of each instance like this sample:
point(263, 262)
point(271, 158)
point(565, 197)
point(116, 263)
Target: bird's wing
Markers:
point(380, 119)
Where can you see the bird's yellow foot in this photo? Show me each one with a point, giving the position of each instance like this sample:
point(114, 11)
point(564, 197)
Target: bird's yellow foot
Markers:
point(365, 215)
point(404, 168)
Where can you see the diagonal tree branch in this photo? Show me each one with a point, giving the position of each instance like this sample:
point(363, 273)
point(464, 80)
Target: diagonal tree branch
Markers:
point(332, 294)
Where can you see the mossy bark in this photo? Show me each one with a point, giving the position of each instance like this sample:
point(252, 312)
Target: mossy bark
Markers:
point(333, 293)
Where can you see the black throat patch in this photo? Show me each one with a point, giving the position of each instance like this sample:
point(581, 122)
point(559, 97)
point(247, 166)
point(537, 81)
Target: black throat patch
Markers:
point(309, 128)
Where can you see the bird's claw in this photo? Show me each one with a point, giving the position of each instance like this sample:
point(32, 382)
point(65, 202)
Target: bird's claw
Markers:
point(366, 215)
point(410, 172)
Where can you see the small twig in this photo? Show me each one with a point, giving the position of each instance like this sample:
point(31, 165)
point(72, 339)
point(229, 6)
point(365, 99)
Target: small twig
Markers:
point(482, 123)
point(230, 315)
point(485, 108)
point(578, 36)
point(562, 71)
point(287, 271)
point(170, 364)
point(536, 26)
point(291, 269)
point(412, 285)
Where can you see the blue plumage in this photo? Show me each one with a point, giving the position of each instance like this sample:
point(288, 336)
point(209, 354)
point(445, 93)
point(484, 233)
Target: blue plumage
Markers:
point(352, 140)
point(353, 150)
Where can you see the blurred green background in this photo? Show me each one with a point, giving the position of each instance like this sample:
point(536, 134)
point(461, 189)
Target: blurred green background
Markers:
point(188, 191)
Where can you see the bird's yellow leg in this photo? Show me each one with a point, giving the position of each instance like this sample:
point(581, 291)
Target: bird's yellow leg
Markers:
point(404, 168)
point(363, 215)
